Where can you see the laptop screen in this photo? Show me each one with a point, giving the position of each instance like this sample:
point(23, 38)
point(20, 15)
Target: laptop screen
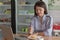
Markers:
point(7, 32)
point(1, 34)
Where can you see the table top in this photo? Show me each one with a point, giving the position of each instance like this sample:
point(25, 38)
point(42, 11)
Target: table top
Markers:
point(51, 38)
point(45, 37)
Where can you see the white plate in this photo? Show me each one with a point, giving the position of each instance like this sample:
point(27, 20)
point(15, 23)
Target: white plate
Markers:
point(40, 38)
point(37, 38)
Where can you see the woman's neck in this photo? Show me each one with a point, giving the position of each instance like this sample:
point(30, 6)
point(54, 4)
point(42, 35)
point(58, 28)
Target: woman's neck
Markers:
point(41, 16)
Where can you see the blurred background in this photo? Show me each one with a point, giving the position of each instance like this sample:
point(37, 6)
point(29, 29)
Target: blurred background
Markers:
point(18, 13)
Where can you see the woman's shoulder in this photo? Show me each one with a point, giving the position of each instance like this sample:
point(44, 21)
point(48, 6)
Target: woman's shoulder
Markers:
point(34, 17)
point(49, 17)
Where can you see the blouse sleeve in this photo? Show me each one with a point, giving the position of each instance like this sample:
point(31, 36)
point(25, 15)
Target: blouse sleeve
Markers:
point(48, 32)
point(32, 24)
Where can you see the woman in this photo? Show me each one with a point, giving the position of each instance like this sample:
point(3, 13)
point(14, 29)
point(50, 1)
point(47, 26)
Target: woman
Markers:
point(41, 23)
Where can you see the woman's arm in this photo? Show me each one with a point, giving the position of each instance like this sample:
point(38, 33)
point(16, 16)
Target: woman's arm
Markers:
point(48, 32)
point(30, 30)
point(31, 27)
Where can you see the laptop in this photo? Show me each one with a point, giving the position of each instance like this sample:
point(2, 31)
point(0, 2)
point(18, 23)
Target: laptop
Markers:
point(7, 32)
point(1, 35)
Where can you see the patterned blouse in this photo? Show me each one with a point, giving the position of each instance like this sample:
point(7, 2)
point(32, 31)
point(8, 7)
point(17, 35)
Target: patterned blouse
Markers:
point(46, 25)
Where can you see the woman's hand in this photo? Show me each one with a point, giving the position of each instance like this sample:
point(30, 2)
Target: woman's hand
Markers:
point(30, 31)
point(41, 34)
point(32, 36)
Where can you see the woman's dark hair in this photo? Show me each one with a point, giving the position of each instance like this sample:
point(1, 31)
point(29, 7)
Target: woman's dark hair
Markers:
point(40, 4)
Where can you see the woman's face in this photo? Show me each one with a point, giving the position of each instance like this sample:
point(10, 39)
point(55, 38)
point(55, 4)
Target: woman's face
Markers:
point(39, 11)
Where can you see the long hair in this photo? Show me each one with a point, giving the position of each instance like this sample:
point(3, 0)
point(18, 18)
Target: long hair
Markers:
point(40, 4)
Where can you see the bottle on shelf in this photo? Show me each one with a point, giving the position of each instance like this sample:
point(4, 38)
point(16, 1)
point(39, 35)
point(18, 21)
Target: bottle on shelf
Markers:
point(5, 20)
point(1, 3)
point(7, 11)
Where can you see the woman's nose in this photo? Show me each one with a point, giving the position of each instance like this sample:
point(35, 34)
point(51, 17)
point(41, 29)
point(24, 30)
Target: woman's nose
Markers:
point(38, 11)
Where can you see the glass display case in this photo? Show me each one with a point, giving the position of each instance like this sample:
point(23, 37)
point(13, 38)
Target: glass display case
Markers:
point(24, 13)
point(5, 12)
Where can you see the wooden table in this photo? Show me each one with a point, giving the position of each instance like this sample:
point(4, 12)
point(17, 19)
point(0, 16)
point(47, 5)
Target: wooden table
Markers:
point(51, 38)
point(45, 37)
